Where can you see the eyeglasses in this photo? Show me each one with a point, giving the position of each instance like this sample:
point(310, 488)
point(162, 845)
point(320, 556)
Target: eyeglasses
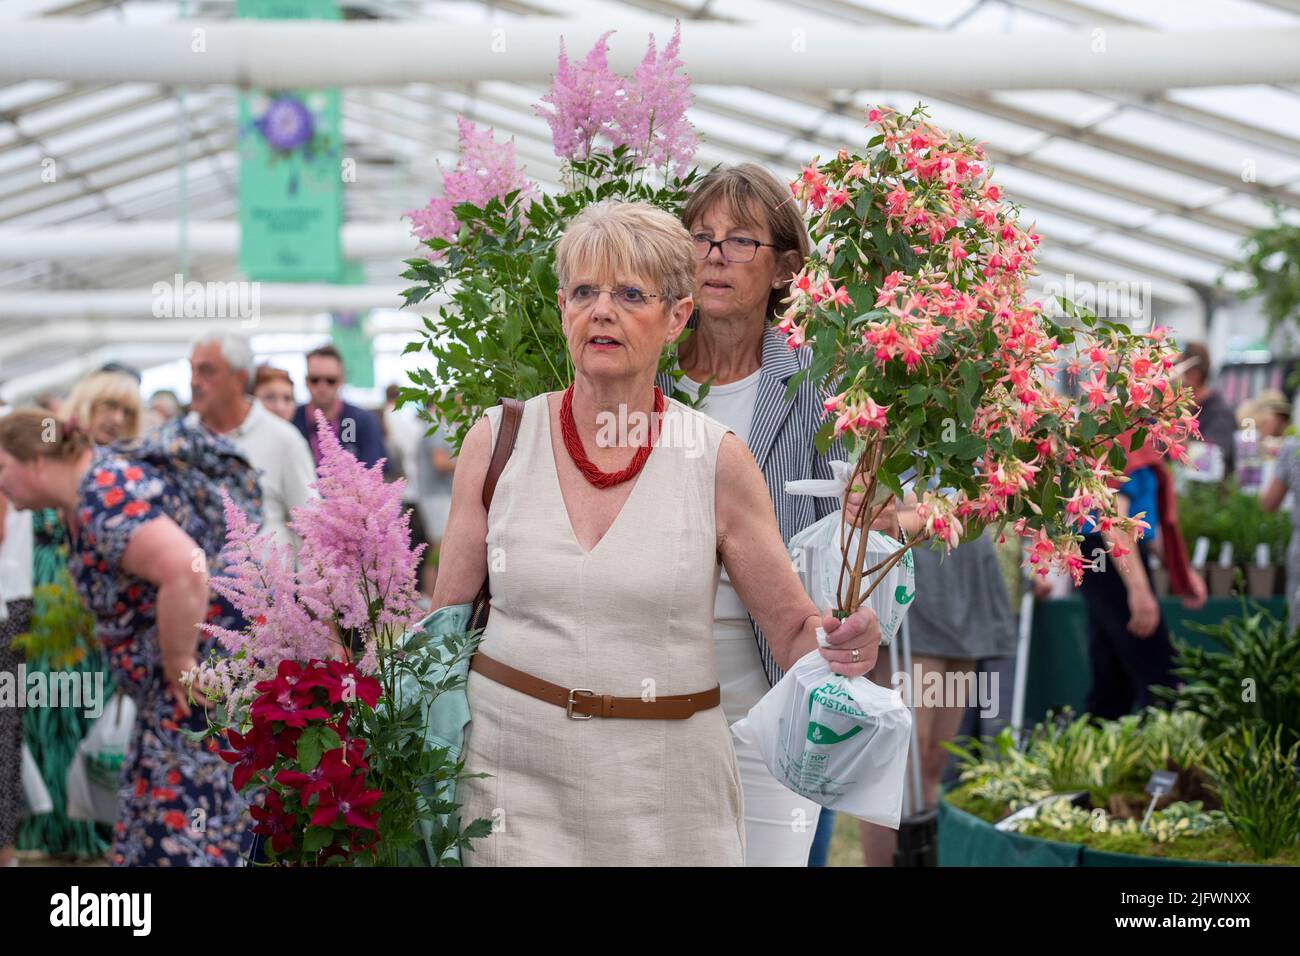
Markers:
point(317, 379)
point(629, 297)
point(735, 249)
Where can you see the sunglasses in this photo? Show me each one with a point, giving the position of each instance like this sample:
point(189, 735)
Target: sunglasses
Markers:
point(317, 379)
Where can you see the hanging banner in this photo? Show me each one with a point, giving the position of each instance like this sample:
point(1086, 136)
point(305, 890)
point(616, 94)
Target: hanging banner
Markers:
point(290, 186)
point(350, 337)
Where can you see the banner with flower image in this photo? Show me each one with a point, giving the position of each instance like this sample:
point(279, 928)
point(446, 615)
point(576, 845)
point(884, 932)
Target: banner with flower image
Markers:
point(290, 180)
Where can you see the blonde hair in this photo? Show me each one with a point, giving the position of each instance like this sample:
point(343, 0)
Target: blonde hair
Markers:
point(105, 387)
point(752, 196)
point(31, 433)
point(623, 240)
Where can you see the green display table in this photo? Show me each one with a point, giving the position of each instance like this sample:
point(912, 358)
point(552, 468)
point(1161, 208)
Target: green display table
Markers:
point(1058, 646)
point(966, 840)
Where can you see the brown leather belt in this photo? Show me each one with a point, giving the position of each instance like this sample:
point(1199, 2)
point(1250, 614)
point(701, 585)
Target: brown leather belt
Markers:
point(582, 703)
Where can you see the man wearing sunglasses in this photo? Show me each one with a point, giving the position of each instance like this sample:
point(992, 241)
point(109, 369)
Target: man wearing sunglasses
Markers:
point(357, 429)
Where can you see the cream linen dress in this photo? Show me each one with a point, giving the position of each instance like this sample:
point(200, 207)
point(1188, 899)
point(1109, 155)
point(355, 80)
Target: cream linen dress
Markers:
point(631, 617)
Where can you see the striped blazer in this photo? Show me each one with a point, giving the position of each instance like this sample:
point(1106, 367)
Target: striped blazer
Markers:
point(781, 440)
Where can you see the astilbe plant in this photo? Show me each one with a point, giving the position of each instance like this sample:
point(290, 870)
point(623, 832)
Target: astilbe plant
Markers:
point(326, 692)
point(914, 303)
point(489, 251)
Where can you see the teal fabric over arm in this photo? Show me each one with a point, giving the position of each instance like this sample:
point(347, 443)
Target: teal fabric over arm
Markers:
point(450, 712)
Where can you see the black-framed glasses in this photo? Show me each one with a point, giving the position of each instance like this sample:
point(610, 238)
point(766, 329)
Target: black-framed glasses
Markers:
point(734, 249)
point(317, 379)
point(628, 296)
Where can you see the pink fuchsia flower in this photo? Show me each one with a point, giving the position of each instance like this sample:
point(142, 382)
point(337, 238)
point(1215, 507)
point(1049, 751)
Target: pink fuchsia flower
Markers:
point(940, 519)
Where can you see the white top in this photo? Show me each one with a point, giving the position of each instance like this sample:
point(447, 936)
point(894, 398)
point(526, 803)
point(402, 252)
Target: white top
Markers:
point(16, 556)
point(286, 468)
point(732, 405)
point(740, 669)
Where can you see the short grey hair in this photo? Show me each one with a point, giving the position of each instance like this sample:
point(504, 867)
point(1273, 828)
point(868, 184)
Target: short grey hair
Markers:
point(235, 349)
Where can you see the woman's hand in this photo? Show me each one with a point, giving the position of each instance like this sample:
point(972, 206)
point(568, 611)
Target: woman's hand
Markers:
point(174, 667)
point(1196, 599)
point(859, 632)
point(1143, 611)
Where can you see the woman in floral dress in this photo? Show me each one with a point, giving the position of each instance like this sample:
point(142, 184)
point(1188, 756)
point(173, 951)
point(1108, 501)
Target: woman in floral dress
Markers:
point(145, 522)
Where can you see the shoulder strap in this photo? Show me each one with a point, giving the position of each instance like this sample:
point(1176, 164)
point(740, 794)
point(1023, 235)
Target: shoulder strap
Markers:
point(512, 413)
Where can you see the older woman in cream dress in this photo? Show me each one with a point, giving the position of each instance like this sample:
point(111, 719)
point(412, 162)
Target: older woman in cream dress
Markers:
point(594, 698)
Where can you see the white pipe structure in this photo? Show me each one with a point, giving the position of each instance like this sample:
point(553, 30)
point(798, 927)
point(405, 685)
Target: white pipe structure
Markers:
point(169, 298)
point(287, 54)
point(361, 240)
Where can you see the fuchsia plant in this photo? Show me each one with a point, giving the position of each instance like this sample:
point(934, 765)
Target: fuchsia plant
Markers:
point(915, 304)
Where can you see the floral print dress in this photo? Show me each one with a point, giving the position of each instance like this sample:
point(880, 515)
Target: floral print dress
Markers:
point(177, 805)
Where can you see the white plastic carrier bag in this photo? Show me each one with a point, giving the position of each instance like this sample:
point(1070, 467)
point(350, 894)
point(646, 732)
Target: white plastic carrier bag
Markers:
point(838, 741)
point(95, 772)
point(815, 553)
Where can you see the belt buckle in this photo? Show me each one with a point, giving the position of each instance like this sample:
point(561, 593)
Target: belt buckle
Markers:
point(568, 711)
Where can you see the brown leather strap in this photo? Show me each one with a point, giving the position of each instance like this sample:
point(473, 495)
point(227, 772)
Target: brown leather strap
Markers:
point(581, 703)
point(512, 413)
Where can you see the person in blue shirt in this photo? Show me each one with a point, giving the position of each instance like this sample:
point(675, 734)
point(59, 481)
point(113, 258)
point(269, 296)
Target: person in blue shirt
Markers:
point(358, 430)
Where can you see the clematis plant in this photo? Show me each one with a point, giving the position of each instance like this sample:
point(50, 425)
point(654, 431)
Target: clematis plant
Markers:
point(327, 691)
point(489, 241)
point(915, 305)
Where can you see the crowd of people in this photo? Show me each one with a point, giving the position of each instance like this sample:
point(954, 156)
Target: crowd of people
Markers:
point(112, 495)
point(130, 490)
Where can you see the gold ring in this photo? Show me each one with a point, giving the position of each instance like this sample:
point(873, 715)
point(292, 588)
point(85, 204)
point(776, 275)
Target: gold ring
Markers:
point(857, 657)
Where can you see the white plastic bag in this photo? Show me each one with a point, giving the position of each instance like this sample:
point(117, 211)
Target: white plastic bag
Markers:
point(839, 741)
point(95, 772)
point(815, 552)
point(36, 796)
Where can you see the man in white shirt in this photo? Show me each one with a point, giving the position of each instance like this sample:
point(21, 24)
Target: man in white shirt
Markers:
point(221, 368)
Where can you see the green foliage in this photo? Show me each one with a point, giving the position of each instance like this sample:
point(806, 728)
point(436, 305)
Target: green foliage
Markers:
point(1062, 755)
point(63, 631)
point(1272, 260)
point(1177, 821)
point(421, 825)
point(1256, 779)
point(1256, 682)
point(499, 334)
point(1223, 513)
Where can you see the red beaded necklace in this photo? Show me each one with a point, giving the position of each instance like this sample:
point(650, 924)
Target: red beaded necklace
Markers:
point(573, 444)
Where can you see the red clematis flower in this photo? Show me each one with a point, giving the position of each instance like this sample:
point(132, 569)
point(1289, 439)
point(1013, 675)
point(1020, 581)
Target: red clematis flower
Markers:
point(351, 801)
point(253, 752)
point(330, 772)
point(341, 682)
point(274, 822)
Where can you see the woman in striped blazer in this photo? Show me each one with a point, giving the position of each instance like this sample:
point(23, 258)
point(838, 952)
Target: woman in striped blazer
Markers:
point(749, 240)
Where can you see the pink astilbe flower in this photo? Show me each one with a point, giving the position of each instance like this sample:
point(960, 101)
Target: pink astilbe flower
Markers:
point(355, 564)
point(584, 98)
point(590, 108)
point(485, 170)
point(653, 120)
point(355, 575)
